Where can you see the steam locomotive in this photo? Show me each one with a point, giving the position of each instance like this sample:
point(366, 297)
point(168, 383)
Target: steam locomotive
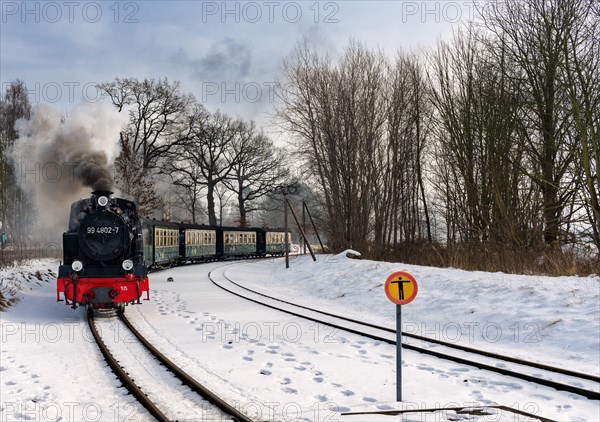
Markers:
point(108, 250)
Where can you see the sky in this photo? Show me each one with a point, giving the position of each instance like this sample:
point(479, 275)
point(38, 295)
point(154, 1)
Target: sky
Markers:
point(228, 54)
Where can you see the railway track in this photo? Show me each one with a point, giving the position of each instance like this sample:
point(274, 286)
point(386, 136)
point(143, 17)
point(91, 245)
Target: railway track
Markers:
point(203, 403)
point(586, 385)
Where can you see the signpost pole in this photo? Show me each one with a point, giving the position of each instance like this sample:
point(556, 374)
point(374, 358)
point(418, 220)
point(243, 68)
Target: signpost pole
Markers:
point(404, 292)
point(398, 352)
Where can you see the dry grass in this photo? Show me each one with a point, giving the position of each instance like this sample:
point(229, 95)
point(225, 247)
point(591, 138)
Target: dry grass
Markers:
point(493, 258)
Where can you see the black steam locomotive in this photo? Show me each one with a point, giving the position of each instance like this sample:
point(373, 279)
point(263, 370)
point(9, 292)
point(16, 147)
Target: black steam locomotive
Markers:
point(103, 253)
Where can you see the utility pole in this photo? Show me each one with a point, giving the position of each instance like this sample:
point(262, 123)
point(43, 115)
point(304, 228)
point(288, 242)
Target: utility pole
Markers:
point(285, 223)
point(304, 223)
point(285, 190)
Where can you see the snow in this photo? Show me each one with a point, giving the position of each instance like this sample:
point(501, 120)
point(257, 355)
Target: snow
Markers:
point(278, 367)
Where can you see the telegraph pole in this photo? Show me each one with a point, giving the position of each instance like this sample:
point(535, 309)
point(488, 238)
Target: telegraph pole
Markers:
point(304, 223)
point(285, 190)
point(285, 223)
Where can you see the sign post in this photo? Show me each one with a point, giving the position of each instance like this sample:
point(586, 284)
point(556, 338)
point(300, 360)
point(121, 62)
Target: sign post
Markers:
point(400, 288)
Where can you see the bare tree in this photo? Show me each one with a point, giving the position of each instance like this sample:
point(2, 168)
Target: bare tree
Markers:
point(15, 206)
point(478, 155)
point(259, 169)
point(132, 180)
point(158, 116)
point(582, 69)
point(208, 157)
point(532, 35)
point(337, 114)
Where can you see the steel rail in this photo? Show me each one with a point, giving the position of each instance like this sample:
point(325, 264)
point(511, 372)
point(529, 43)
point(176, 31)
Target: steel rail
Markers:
point(185, 378)
point(127, 382)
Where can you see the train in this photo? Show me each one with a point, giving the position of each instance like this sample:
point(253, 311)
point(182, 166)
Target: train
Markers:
point(109, 249)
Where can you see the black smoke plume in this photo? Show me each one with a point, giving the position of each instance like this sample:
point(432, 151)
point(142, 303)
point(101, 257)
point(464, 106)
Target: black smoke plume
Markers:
point(62, 158)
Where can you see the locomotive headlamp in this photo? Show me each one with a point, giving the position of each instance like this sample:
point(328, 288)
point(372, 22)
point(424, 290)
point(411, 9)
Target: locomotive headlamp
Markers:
point(127, 264)
point(77, 266)
point(103, 201)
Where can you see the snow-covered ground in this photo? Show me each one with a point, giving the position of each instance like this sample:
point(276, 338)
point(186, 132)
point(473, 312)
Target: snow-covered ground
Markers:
point(278, 367)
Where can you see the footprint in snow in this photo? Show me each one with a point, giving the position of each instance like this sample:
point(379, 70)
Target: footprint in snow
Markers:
point(299, 368)
point(369, 399)
point(290, 359)
point(10, 383)
point(348, 393)
point(248, 358)
point(322, 398)
point(384, 407)
point(264, 372)
point(289, 390)
point(227, 346)
point(318, 379)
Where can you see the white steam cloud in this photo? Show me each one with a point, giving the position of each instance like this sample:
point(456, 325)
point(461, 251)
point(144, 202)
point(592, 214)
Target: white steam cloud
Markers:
point(60, 159)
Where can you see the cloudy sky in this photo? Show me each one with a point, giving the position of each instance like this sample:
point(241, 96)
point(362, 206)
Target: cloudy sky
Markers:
point(226, 53)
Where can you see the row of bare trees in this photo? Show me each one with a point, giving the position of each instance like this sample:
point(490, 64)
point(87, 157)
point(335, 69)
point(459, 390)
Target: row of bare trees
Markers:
point(489, 138)
point(360, 128)
point(202, 154)
point(15, 205)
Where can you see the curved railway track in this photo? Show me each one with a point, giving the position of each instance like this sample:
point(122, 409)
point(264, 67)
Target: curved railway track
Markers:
point(140, 395)
point(388, 335)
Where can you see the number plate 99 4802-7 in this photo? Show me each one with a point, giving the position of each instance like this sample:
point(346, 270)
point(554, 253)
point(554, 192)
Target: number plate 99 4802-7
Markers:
point(103, 230)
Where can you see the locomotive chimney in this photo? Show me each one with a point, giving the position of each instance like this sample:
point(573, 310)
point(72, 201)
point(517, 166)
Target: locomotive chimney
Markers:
point(100, 193)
